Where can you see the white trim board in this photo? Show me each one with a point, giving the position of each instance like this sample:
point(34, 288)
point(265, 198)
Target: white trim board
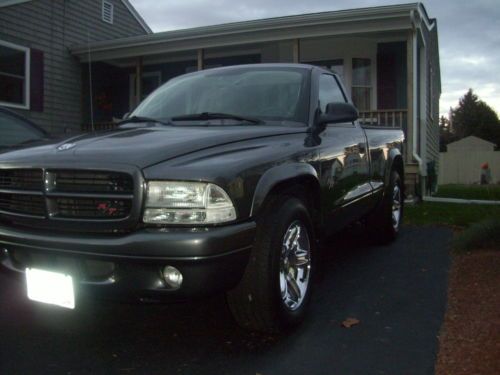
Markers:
point(137, 16)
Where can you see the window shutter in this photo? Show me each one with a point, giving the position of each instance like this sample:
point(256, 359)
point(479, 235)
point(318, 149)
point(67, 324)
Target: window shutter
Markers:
point(36, 80)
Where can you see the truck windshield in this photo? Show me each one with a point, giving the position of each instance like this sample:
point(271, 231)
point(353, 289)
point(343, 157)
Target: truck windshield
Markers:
point(279, 94)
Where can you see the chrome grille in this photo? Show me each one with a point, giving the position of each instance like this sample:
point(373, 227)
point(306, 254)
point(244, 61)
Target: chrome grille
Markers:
point(92, 182)
point(21, 179)
point(57, 194)
point(24, 204)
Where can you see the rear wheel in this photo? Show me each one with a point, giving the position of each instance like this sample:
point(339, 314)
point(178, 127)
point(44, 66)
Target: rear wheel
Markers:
point(385, 222)
point(276, 287)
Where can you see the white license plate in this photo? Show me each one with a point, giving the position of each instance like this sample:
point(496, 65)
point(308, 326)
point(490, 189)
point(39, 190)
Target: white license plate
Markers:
point(50, 287)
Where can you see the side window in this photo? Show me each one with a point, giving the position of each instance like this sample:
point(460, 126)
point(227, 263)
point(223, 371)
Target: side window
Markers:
point(329, 91)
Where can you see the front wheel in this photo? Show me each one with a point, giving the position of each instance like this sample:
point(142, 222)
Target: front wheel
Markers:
point(276, 287)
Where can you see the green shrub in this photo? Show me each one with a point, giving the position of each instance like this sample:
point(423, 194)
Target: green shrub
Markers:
point(481, 235)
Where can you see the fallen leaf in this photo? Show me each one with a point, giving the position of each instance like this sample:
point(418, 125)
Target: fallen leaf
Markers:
point(349, 322)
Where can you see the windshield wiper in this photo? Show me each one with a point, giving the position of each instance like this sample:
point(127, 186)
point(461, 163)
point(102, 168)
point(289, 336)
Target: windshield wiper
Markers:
point(137, 119)
point(216, 116)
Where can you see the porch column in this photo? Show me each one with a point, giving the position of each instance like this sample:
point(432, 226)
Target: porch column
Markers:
point(201, 55)
point(296, 51)
point(138, 81)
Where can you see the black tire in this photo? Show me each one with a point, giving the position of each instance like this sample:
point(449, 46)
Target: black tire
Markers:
point(381, 223)
point(256, 303)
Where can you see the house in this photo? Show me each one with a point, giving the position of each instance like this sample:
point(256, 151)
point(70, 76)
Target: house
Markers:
point(387, 57)
point(39, 77)
point(462, 162)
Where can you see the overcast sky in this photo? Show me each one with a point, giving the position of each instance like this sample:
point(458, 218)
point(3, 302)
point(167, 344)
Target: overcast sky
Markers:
point(469, 33)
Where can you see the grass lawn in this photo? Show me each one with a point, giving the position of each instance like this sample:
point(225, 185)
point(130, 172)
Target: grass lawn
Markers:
point(454, 214)
point(483, 192)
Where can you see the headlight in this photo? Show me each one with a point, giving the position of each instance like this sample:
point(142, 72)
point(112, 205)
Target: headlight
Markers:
point(172, 202)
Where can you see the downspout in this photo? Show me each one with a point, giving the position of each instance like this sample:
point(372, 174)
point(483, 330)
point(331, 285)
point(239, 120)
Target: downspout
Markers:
point(414, 19)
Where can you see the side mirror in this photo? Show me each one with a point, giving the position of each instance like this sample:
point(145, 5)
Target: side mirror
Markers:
point(338, 112)
point(125, 116)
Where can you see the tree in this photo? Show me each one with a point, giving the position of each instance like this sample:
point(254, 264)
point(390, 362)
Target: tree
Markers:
point(475, 117)
point(445, 134)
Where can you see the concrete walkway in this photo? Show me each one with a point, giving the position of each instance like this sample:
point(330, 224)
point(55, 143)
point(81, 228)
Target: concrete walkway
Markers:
point(456, 200)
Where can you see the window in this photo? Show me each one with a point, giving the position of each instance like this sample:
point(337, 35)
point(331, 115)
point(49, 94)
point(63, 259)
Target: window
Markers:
point(107, 12)
point(329, 91)
point(361, 83)
point(14, 75)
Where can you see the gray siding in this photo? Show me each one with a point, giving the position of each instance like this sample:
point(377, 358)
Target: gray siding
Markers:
point(52, 26)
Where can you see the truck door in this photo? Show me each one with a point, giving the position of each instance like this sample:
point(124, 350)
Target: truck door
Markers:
point(344, 162)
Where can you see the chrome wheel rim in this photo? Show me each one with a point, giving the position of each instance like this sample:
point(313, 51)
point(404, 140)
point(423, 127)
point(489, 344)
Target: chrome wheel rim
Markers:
point(295, 265)
point(396, 207)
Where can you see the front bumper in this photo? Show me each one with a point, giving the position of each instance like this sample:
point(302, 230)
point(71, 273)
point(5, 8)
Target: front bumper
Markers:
point(128, 267)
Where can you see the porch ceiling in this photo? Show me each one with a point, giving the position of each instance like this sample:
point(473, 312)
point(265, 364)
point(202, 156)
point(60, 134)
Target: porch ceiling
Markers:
point(363, 21)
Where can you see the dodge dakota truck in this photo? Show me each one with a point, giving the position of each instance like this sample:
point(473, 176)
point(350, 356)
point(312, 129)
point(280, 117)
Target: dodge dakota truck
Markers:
point(221, 181)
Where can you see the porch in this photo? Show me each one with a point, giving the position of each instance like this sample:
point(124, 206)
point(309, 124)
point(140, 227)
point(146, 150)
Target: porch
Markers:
point(372, 68)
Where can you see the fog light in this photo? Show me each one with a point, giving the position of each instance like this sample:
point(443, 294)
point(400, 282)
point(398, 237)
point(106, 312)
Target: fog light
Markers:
point(172, 277)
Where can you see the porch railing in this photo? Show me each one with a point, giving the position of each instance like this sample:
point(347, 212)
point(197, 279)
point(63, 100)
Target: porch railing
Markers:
point(394, 118)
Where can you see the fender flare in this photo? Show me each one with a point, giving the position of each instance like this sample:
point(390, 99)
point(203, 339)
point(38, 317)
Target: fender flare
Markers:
point(277, 175)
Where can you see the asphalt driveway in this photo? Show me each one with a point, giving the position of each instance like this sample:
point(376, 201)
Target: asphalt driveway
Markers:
point(398, 293)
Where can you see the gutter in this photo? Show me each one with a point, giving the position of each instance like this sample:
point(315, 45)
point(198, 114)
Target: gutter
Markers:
point(415, 98)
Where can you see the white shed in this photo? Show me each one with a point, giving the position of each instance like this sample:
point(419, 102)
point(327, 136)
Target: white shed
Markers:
point(461, 164)
point(471, 143)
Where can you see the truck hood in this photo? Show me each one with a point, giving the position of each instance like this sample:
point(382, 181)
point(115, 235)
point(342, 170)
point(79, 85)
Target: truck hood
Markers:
point(140, 146)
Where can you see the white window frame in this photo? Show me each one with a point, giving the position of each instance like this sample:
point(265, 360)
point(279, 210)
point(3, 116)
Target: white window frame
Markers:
point(26, 93)
point(112, 12)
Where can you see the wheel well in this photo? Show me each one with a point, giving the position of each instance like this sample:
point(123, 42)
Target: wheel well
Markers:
point(305, 188)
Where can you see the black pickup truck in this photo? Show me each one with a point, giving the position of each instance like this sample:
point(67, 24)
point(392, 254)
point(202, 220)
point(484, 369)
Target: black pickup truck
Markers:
point(224, 180)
